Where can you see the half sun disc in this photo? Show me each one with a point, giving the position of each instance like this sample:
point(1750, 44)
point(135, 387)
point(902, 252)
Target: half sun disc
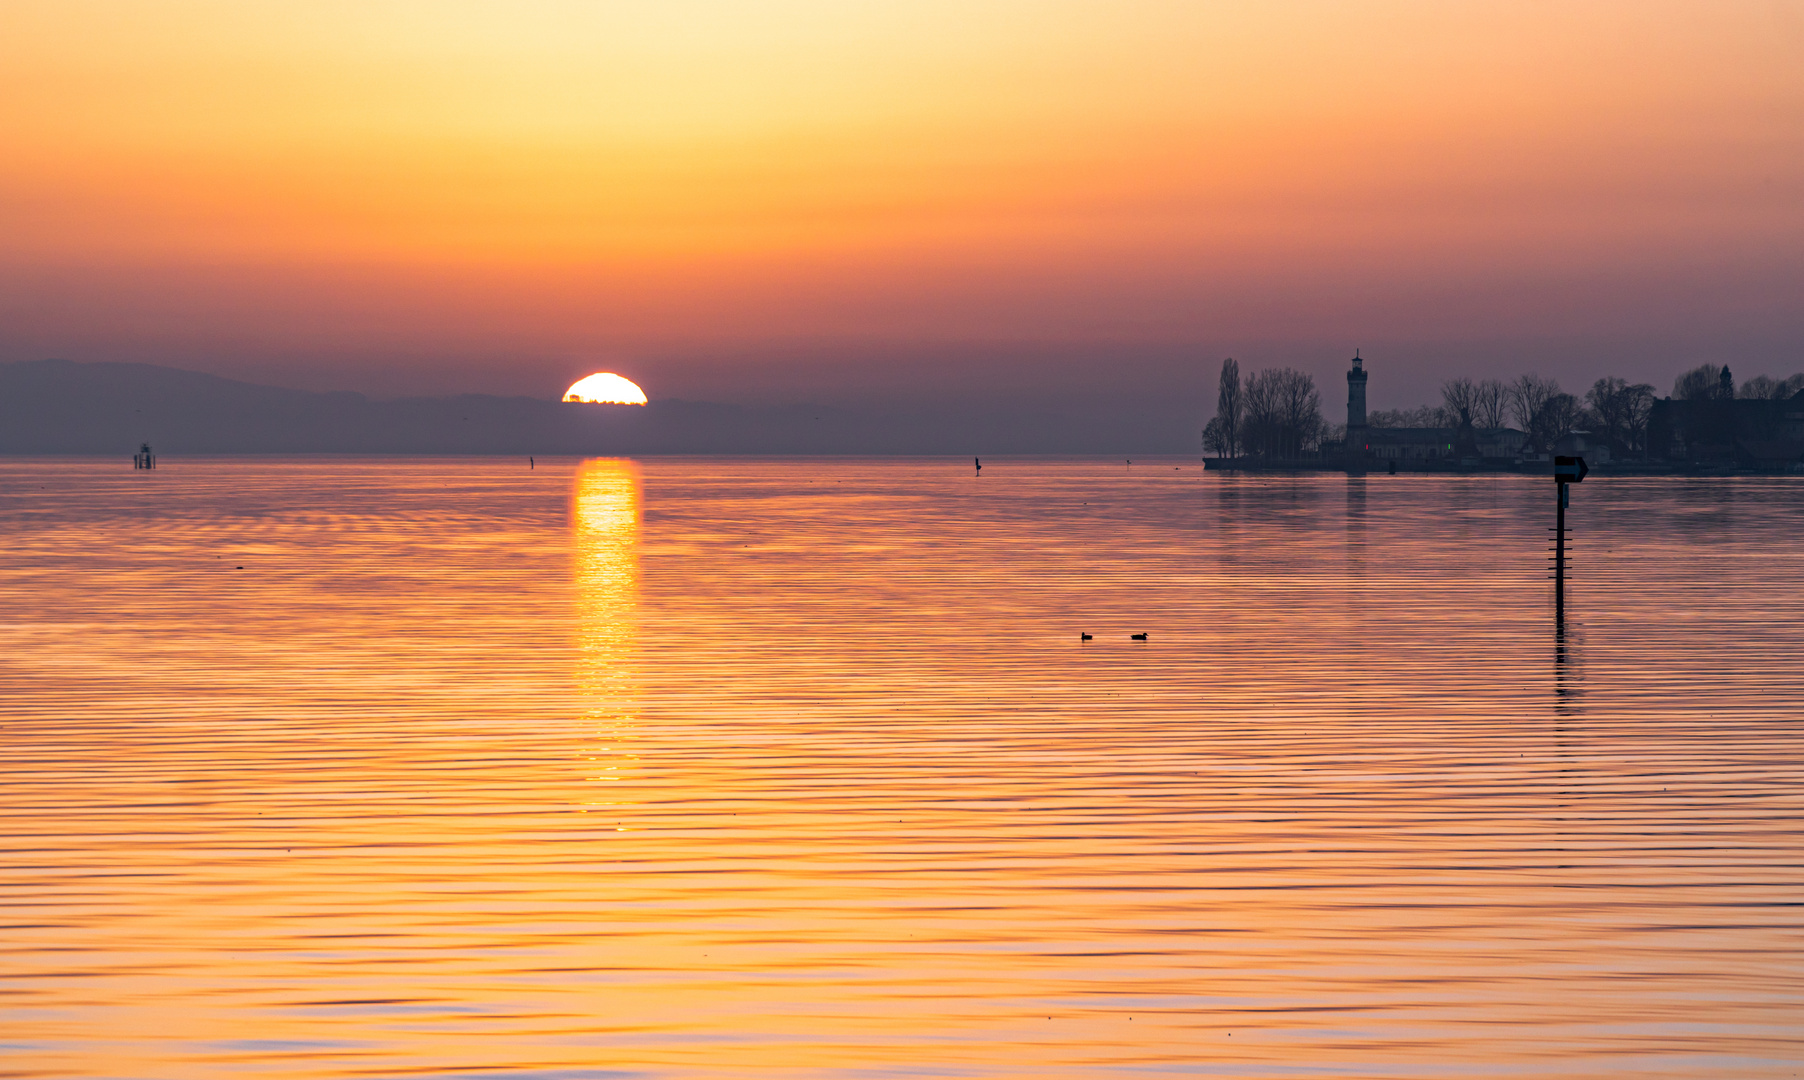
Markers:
point(605, 388)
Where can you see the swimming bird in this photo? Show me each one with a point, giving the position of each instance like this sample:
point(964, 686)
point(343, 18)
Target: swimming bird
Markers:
point(1138, 637)
point(1083, 636)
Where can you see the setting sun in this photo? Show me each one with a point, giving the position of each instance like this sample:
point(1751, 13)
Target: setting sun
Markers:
point(605, 387)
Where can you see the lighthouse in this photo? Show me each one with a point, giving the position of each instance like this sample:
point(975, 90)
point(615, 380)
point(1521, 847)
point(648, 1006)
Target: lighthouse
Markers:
point(1356, 414)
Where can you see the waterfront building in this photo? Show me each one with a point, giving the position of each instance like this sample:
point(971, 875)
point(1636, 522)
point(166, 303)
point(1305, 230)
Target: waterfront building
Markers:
point(1754, 433)
point(1461, 444)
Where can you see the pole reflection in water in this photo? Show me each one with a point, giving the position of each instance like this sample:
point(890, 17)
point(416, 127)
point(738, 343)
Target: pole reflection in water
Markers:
point(604, 521)
point(1356, 527)
point(1568, 675)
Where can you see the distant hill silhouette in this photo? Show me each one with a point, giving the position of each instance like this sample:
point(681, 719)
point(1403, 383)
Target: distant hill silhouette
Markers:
point(64, 407)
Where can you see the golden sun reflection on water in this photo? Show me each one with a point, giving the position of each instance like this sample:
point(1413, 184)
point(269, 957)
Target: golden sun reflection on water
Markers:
point(604, 517)
point(604, 512)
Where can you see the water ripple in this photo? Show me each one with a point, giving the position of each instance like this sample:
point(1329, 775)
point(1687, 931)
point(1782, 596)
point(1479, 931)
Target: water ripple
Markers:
point(700, 767)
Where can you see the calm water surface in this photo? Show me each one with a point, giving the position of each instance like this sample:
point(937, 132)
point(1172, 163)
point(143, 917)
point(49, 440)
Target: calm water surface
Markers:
point(677, 768)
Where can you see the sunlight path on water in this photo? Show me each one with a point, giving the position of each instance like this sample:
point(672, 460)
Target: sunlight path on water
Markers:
point(689, 767)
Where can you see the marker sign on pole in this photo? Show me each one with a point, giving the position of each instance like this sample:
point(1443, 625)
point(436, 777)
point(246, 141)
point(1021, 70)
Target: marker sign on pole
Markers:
point(1569, 470)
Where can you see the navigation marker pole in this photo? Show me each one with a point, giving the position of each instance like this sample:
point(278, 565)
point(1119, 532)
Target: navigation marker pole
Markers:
point(1566, 472)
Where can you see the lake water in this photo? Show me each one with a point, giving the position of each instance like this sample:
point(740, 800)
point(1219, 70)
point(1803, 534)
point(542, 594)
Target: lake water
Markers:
point(399, 768)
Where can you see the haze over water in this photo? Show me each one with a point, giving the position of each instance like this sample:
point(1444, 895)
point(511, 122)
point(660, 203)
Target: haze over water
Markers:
point(693, 767)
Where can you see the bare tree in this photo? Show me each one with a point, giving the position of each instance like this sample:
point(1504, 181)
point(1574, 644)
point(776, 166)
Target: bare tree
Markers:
point(1762, 386)
point(1302, 410)
point(1701, 383)
point(1553, 420)
point(1228, 407)
point(1527, 395)
point(1638, 413)
point(1458, 394)
point(1639, 410)
point(1607, 401)
point(1260, 421)
point(1283, 413)
point(1490, 404)
point(1620, 409)
point(1215, 438)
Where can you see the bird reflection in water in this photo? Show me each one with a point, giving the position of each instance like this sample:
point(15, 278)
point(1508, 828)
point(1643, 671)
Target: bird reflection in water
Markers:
point(604, 516)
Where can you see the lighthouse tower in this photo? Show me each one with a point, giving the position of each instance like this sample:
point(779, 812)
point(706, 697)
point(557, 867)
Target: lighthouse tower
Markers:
point(1356, 413)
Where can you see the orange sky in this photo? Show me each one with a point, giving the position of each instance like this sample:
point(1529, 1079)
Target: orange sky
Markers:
point(494, 190)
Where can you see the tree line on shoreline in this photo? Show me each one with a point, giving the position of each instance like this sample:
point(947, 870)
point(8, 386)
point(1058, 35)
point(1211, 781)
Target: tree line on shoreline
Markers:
point(1276, 412)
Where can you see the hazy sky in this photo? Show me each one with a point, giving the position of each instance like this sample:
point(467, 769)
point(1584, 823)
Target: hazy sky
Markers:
point(831, 199)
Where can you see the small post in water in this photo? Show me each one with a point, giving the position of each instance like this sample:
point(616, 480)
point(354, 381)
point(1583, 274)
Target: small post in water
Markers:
point(1566, 472)
point(1559, 546)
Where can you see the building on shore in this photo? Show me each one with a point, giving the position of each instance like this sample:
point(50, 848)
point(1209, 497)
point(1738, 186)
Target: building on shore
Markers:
point(1462, 444)
point(1722, 430)
point(1444, 444)
point(1713, 433)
